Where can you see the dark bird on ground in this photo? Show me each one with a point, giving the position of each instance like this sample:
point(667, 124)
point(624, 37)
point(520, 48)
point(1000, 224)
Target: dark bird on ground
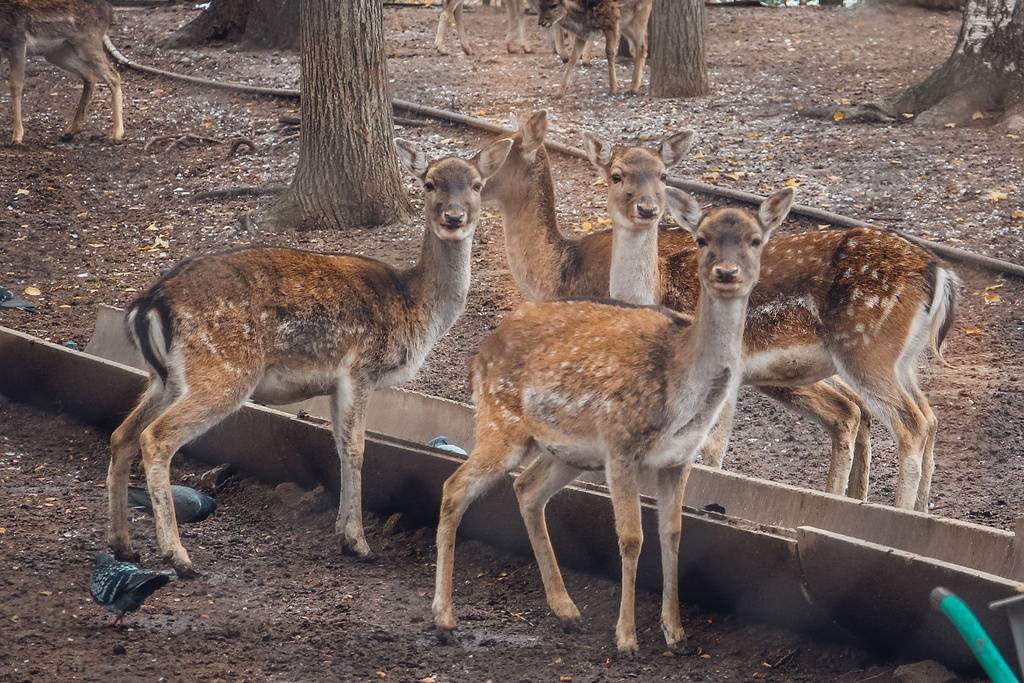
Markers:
point(190, 506)
point(122, 587)
point(9, 300)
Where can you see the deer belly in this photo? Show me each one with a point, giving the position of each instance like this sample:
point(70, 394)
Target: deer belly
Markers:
point(793, 366)
point(41, 45)
point(279, 386)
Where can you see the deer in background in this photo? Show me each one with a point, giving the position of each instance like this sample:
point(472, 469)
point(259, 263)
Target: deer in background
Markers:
point(451, 13)
point(800, 308)
point(612, 18)
point(68, 33)
point(281, 325)
point(863, 304)
point(581, 385)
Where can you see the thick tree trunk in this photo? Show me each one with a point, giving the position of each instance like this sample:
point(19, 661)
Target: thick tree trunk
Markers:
point(985, 72)
point(256, 24)
point(347, 174)
point(678, 64)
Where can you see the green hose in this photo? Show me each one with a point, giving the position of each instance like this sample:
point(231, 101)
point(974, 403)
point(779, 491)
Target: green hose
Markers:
point(974, 635)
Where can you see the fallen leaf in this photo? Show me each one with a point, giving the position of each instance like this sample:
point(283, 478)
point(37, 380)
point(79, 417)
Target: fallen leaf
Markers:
point(586, 226)
point(1018, 214)
point(1013, 136)
point(427, 679)
point(838, 116)
point(734, 176)
point(972, 331)
point(907, 115)
point(482, 112)
point(997, 196)
point(382, 674)
point(977, 116)
point(992, 298)
point(791, 182)
point(992, 288)
point(21, 191)
point(601, 182)
point(950, 125)
point(2, 531)
point(564, 679)
point(712, 176)
point(32, 291)
point(604, 220)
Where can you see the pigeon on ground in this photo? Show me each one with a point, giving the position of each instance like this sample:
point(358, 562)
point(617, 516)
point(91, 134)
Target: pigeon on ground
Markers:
point(9, 300)
point(122, 587)
point(441, 443)
point(190, 506)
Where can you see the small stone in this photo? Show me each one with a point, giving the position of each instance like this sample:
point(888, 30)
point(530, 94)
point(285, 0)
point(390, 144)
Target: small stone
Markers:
point(119, 650)
point(1014, 123)
point(927, 671)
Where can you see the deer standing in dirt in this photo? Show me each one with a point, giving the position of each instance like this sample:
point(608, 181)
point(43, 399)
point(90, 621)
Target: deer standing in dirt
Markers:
point(68, 33)
point(816, 290)
point(282, 325)
point(612, 18)
point(451, 13)
point(581, 385)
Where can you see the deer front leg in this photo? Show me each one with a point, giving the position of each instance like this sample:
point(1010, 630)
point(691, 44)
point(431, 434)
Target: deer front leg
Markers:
point(625, 494)
point(714, 446)
point(16, 55)
point(116, 103)
point(441, 41)
point(671, 485)
point(463, 36)
point(75, 125)
point(515, 39)
point(570, 66)
point(611, 49)
point(348, 416)
point(543, 478)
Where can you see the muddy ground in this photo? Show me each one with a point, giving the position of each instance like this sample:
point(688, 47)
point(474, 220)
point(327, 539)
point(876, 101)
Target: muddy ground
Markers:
point(89, 222)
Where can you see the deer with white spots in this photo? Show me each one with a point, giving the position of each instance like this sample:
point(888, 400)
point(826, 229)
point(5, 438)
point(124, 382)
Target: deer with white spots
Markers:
point(68, 33)
point(579, 385)
point(282, 325)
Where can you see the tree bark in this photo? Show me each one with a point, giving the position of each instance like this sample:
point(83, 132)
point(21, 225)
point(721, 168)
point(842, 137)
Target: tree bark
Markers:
point(985, 72)
point(678, 62)
point(348, 174)
point(255, 24)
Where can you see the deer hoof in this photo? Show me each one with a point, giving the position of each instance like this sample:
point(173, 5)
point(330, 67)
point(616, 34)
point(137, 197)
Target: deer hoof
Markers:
point(185, 571)
point(126, 554)
point(628, 649)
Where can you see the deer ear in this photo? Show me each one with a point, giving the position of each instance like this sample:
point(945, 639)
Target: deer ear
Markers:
point(491, 157)
point(534, 129)
point(684, 208)
point(598, 151)
point(412, 157)
point(675, 147)
point(775, 209)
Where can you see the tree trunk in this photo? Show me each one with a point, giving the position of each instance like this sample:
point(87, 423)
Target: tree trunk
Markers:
point(985, 72)
point(347, 174)
point(678, 64)
point(256, 24)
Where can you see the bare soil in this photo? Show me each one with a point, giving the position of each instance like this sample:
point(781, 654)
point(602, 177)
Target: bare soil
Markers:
point(89, 222)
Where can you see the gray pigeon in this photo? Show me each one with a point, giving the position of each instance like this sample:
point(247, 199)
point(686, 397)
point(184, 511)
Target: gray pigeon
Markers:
point(9, 300)
point(190, 506)
point(122, 587)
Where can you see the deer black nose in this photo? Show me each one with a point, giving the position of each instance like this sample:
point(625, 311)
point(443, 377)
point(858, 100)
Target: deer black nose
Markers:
point(646, 211)
point(726, 273)
point(454, 219)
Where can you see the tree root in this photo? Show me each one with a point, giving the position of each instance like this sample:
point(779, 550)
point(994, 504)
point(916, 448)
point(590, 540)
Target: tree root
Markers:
point(857, 113)
point(176, 140)
point(237, 192)
point(239, 143)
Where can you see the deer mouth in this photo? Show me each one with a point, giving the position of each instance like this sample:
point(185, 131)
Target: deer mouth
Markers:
point(732, 287)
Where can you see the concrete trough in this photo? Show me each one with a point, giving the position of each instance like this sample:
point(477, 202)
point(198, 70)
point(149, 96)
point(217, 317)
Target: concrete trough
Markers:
point(780, 554)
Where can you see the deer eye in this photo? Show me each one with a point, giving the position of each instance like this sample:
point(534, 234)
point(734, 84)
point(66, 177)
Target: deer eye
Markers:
point(616, 178)
point(428, 186)
point(755, 242)
point(701, 242)
point(477, 187)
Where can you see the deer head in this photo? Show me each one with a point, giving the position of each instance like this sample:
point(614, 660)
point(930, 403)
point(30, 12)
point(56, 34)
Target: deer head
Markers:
point(452, 187)
point(636, 177)
point(549, 12)
point(511, 182)
point(729, 241)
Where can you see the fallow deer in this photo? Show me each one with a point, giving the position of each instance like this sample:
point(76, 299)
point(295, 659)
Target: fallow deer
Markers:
point(816, 290)
point(68, 33)
point(281, 325)
point(451, 13)
point(582, 385)
point(612, 18)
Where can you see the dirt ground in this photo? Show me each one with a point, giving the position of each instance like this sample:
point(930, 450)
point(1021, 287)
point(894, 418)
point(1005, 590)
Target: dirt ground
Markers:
point(89, 222)
point(278, 601)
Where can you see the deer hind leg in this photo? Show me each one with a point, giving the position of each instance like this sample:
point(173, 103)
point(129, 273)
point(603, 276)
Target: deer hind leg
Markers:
point(16, 55)
point(113, 81)
point(637, 37)
point(860, 472)
point(461, 28)
point(838, 415)
point(671, 485)
point(611, 49)
point(515, 40)
point(200, 407)
point(495, 454)
point(348, 417)
point(625, 493)
point(931, 425)
point(570, 66)
point(124, 447)
point(447, 16)
point(543, 478)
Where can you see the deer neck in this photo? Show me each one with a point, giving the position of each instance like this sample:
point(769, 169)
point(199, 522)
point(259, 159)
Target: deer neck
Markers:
point(439, 284)
point(634, 274)
point(533, 243)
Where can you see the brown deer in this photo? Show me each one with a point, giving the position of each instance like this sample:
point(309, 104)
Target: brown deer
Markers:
point(580, 385)
point(451, 13)
point(612, 18)
point(281, 325)
point(68, 33)
point(903, 296)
